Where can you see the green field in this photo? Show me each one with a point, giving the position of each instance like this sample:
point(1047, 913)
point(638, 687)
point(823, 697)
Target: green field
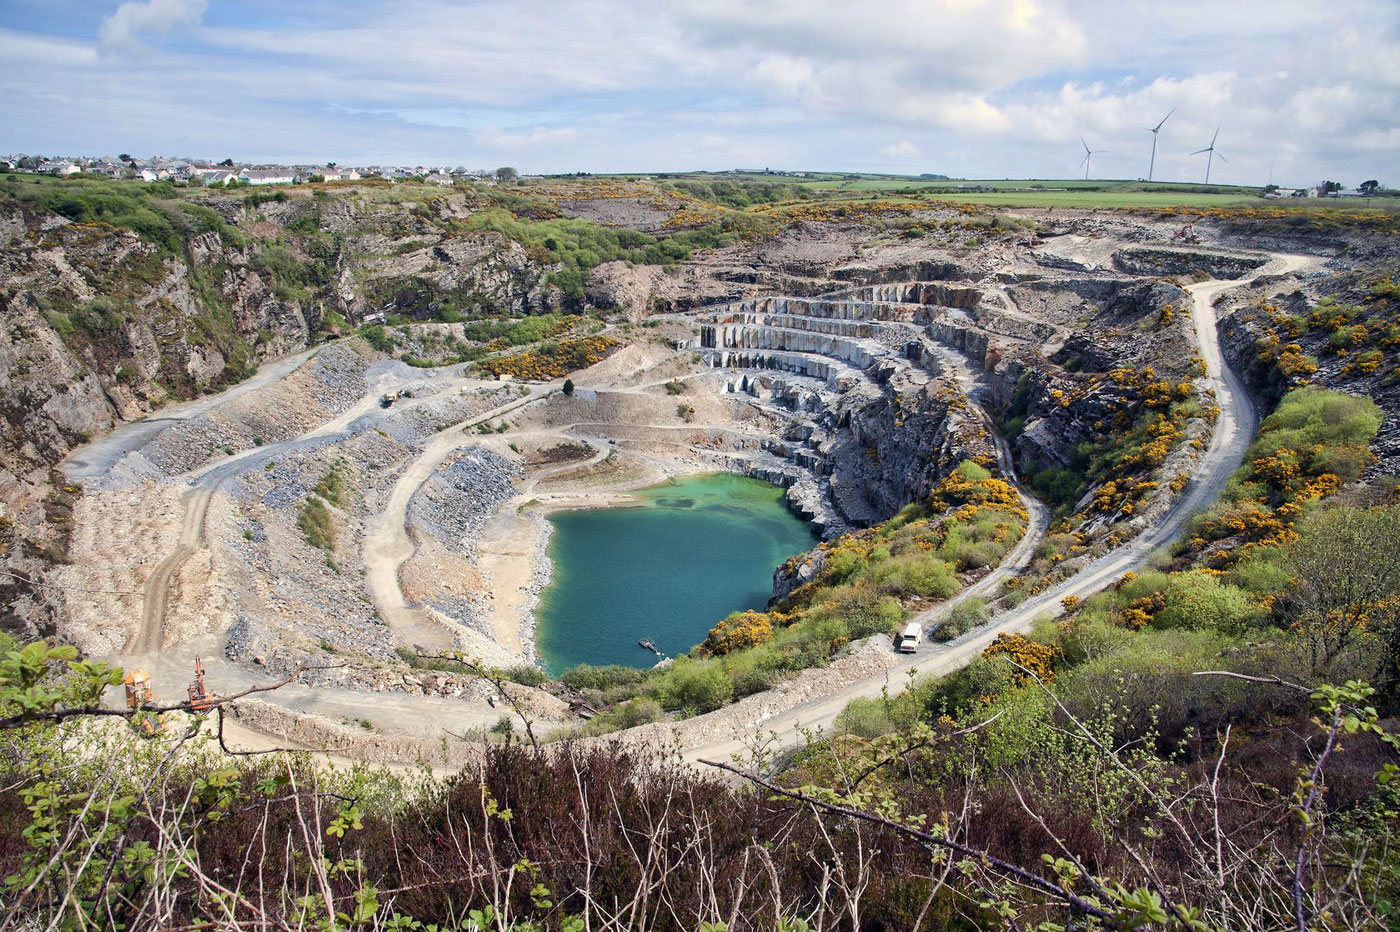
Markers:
point(1024, 184)
point(1092, 193)
point(1052, 193)
point(1101, 199)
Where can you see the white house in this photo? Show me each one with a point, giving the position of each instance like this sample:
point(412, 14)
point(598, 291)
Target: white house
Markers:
point(59, 167)
point(147, 175)
point(438, 178)
point(268, 176)
point(214, 176)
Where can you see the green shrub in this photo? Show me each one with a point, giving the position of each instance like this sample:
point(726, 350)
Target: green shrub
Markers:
point(377, 338)
point(1331, 428)
point(588, 676)
point(1058, 485)
point(753, 671)
point(1148, 582)
point(98, 317)
point(694, 686)
point(855, 612)
point(865, 717)
point(60, 322)
point(973, 472)
point(961, 618)
point(1094, 635)
point(1148, 674)
point(1262, 571)
point(917, 573)
point(963, 689)
point(967, 554)
point(841, 566)
point(331, 487)
point(150, 210)
point(1202, 602)
point(629, 714)
point(317, 524)
point(527, 675)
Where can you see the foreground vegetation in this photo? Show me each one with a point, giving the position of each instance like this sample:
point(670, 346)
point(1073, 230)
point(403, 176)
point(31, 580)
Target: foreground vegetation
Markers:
point(1084, 778)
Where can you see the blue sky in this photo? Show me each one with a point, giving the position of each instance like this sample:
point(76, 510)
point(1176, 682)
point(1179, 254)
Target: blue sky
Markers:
point(974, 88)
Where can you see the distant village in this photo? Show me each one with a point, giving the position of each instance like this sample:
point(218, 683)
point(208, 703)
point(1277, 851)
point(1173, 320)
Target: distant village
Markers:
point(229, 172)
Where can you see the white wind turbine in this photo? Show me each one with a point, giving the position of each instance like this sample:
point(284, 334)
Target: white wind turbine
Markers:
point(1088, 154)
point(1154, 130)
point(1211, 149)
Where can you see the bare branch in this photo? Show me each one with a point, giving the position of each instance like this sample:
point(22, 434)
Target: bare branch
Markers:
point(496, 680)
point(58, 715)
point(1267, 680)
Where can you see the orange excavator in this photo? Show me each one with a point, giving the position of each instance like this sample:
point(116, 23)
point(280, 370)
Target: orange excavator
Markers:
point(200, 700)
point(139, 695)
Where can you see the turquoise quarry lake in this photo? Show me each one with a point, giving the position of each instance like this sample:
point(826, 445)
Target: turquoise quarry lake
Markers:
point(693, 550)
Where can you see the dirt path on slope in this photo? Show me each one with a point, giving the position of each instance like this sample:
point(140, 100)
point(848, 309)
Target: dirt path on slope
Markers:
point(388, 544)
point(98, 458)
point(206, 480)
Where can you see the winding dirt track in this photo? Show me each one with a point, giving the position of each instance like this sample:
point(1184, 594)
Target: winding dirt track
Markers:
point(388, 543)
point(156, 593)
point(1233, 432)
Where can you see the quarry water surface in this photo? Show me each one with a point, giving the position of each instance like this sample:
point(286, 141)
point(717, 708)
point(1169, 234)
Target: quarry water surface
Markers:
point(696, 549)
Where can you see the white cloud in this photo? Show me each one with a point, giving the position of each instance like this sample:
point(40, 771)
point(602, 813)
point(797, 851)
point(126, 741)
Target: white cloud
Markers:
point(131, 20)
point(788, 75)
point(537, 139)
point(26, 51)
point(904, 149)
point(978, 87)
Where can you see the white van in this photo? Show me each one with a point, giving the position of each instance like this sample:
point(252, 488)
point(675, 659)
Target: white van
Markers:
point(907, 641)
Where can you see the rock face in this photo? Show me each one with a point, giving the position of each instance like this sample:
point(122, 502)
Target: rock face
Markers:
point(471, 270)
point(871, 424)
point(620, 287)
point(1149, 260)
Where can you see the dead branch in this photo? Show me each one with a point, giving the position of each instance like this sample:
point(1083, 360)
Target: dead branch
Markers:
point(59, 715)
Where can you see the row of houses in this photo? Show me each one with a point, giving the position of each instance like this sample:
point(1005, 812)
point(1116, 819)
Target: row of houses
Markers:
point(207, 174)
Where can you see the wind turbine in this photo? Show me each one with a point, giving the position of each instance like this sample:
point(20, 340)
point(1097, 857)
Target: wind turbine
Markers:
point(1154, 130)
point(1211, 149)
point(1088, 154)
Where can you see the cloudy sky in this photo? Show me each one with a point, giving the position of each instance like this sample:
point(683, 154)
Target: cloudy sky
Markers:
point(971, 88)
